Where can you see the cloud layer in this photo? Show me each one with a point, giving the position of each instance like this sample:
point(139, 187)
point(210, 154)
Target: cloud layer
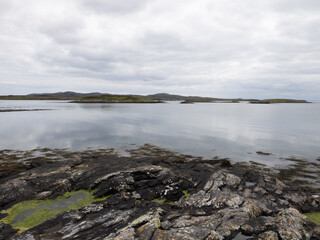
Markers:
point(220, 48)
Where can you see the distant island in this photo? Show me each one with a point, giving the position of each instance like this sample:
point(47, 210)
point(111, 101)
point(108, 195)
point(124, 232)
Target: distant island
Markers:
point(212, 100)
point(278, 100)
point(96, 97)
point(115, 99)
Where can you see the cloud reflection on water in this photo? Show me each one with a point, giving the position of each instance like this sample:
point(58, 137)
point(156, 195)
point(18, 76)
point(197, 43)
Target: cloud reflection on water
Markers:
point(232, 129)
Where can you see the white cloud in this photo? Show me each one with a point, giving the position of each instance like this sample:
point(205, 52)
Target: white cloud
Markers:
point(220, 48)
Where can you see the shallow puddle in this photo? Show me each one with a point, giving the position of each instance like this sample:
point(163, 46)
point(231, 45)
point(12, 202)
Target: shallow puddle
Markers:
point(28, 214)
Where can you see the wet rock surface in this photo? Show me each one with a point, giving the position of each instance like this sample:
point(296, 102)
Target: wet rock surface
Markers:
point(153, 198)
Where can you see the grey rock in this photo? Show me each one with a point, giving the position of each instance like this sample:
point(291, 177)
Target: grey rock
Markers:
point(146, 201)
point(290, 225)
point(316, 232)
point(269, 235)
point(232, 220)
point(6, 231)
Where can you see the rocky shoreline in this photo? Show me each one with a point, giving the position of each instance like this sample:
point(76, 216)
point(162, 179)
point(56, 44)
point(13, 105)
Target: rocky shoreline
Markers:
point(22, 110)
point(102, 101)
point(157, 198)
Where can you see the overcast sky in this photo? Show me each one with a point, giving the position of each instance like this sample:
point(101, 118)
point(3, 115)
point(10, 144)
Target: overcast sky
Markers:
point(218, 48)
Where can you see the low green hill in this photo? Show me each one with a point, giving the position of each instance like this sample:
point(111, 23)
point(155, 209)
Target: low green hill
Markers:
point(282, 100)
point(115, 99)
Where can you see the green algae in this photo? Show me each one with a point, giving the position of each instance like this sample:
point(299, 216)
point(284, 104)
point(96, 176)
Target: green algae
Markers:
point(186, 194)
point(159, 200)
point(80, 166)
point(28, 214)
point(313, 217)
point(163, 201)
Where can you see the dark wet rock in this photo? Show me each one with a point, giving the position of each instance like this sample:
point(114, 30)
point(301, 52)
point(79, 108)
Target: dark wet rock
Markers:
point(6, 231)
point(86, 223)
point(316, 233)
point(145, 198)
point(263, 153)
point(36, 162)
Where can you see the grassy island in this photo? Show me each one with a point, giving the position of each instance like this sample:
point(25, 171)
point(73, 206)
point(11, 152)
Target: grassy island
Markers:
point(278, 100)
point(115, 99)
point(210, 100)
point(281, 100)
point(200, 99)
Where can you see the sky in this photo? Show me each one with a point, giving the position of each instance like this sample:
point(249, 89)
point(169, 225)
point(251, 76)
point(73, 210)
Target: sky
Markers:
point(216, 48)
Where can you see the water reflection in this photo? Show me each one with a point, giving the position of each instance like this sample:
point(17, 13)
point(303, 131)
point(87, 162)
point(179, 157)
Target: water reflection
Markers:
point(227, 130)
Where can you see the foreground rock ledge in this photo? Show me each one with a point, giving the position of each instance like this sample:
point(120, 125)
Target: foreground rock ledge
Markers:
point(152, 199)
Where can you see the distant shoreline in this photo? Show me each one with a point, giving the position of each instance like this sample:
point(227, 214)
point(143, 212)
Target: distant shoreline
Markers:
point(96, 97)
point(23, 110)
point(270, 101)
point(116, 102)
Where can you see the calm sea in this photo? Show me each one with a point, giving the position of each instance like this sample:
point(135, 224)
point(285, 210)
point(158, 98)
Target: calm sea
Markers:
point(233, 130)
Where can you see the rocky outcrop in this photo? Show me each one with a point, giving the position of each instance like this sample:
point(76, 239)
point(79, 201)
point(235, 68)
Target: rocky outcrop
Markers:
point(150, 199)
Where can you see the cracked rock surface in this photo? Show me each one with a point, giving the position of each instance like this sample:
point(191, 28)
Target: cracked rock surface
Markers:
point(153, 199)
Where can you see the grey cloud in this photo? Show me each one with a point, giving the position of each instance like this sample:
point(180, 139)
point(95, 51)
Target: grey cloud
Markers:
point(223, 48)
point(296, 5)
point(63, 31)
point(5, 7)
point(163, 41)
point(110, 6)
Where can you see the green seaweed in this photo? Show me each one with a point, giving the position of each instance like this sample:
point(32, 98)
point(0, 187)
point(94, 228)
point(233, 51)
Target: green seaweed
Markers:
point(186, 194)
point(158, 200)
point(313, 217)
point(163, 201)
point(28, 214)
point(80, 165)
